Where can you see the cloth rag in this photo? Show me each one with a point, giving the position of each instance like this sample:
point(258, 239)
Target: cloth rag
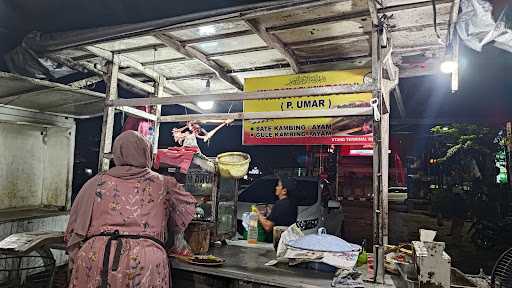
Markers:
point(177, 157)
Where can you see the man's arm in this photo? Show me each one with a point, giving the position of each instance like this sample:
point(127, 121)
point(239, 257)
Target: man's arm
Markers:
point(265, 223)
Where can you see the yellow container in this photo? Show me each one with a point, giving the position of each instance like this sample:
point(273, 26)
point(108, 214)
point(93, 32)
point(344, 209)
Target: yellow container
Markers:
point(233, 164)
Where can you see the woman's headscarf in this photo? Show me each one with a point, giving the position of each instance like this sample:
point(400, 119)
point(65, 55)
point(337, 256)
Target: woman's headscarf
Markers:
point(132, 156)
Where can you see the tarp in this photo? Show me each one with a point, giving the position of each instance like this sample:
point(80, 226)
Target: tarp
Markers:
point(477, 26)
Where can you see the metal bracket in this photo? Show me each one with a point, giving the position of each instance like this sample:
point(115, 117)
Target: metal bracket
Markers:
point(375, 105)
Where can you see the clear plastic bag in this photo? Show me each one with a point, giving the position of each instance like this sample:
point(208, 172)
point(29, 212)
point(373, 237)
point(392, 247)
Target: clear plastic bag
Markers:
point(292, 233)
point(477, 26)
point(180, 245)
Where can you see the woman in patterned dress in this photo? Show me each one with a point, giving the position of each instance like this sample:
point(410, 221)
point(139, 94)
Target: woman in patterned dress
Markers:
point(119, 220)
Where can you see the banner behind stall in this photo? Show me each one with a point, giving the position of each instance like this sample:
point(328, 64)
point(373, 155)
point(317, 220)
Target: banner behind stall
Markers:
point(354, 130)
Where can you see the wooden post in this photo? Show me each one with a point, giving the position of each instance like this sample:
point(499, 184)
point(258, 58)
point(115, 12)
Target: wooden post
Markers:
point(380, 148)
point(384, 162)
point(378, 248)
point(107, 128)
point(159, 92)
point(455, 73)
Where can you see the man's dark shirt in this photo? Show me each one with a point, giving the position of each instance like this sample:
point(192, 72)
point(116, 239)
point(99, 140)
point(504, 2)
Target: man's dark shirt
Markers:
point(284, 213)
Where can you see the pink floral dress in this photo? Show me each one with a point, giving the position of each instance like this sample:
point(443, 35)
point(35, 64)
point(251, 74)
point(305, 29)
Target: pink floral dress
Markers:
point(140, 206)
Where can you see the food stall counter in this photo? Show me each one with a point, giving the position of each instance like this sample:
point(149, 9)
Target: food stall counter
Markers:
point(246, 267)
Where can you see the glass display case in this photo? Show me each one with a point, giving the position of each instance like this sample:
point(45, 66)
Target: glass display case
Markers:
point(216, 196)
point(226, 208)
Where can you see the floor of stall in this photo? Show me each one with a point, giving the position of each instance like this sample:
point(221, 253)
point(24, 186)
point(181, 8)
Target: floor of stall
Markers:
point(245, 267)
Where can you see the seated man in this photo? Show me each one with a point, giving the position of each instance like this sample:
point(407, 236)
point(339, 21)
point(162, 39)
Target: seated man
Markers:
point(284, 212)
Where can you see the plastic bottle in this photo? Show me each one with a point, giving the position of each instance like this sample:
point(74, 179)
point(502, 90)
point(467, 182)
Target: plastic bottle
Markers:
point(252, 233)
point(151, 134)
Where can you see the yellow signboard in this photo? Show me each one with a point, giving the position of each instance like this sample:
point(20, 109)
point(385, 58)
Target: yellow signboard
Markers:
point(341, 130)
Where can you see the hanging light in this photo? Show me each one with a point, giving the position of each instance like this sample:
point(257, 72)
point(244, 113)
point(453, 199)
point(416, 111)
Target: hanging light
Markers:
point(206, 105)
point(448, 66)
point(207, 30)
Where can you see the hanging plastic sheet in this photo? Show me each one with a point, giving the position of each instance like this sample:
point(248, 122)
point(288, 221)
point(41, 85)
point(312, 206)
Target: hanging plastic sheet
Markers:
point(477, 26)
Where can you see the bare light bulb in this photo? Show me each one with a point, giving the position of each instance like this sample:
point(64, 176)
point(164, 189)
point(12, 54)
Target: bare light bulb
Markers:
point(207, 30)
point(206, 105)
point(448, 66)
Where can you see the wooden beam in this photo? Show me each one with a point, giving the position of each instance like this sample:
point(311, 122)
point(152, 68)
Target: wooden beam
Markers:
point(107, 128)
point(270, 115)
point(139, 85)
point(196, 54)
point(454, 41)
point(211, 38)
point(209, 56)
point(274, 42)
point(138, 49)
point(351, 15)
point(151, 90)
point(374, 13)
point(166, 61)
point(84, 57)
point(195, 76)
point(455, 73)
point(339, 64)
point(260, 68)
point(138, 113)
point(337, 38)
point(366, 36)
point(378, 246)
point(159, 92)
point(86, 82)
point(238, 96)
point(216, 37)
point(129, 82)
point(288, 6)
point(239, 51)
point(454, 14)
point(320, 20)
point(249, 13)
point(122, 60)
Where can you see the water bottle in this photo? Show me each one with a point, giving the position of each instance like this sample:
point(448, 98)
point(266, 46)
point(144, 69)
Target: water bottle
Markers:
point(151, 134)
point(252, 232)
